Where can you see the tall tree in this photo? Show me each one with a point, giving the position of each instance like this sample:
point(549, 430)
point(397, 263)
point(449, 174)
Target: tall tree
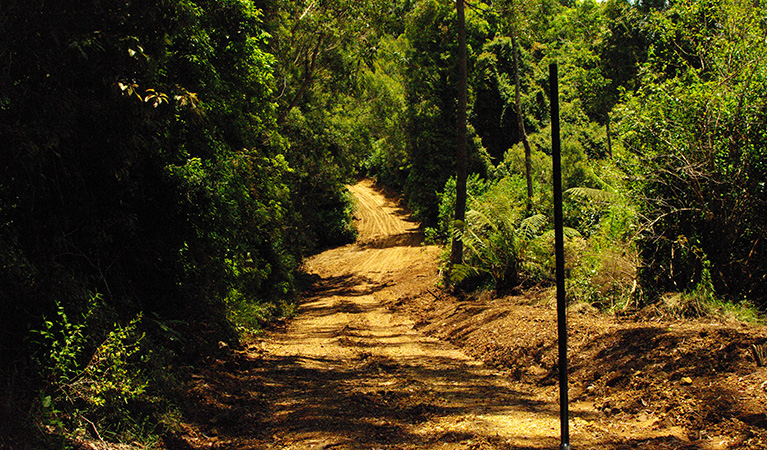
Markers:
point(521, 120)
point(456, 252)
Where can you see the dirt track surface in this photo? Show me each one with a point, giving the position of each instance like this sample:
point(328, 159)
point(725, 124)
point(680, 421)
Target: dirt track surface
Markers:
point(367, 378)
point(378, 358)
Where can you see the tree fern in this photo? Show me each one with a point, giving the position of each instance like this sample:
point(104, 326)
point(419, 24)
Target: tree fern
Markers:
point(462, 272)
point(568, 232)
point(495, 236)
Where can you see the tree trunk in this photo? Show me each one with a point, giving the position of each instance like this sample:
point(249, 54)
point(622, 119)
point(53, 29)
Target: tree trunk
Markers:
point(456, 252)
point(310, 64)
point(521, 121)
point(609, 139)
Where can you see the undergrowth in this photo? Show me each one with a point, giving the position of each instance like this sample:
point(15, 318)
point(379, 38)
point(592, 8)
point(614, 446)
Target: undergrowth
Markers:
point(703, 301)
point(508, 246)
point(249, 316)
point(93, 382)
point(93, 388)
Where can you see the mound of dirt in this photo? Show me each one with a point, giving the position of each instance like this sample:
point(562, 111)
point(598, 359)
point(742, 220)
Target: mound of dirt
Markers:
point(694, 383)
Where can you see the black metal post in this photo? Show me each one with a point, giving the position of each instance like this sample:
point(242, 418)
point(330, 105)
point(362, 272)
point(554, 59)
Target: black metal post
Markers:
point(559, 250)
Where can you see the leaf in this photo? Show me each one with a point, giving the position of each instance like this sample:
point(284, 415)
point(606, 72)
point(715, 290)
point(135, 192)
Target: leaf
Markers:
point(566, 231)
point(186, 98)
point(531, 226)
point(597, 195)
point(461, 272)
point(571, 232)
point(156, 98)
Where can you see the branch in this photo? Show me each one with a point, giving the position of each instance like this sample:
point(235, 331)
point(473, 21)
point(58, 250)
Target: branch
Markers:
point(308, 8)
point(308, 76)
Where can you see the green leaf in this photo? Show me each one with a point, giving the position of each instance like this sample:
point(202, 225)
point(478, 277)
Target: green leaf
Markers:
point(598, 195)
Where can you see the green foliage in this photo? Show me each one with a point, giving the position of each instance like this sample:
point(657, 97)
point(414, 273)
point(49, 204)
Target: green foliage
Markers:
point(697, 125)
point(604, 267)
point(475, 187)
point(430, 94)
point(384, 108)
point(601, 259)
point(322, 51)
point(497, 235)
point(320, 172)
point(61, 341)
point(112, 376)
point(702, 301)
point(84, 391)
point(141, 160)
point(600, 223)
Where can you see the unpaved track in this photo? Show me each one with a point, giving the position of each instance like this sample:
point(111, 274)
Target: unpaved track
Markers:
point(353, 371)
point(348, 373)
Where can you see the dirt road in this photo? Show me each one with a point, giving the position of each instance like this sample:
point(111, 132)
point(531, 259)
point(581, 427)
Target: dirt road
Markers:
point(357, 375)
point(354, 370)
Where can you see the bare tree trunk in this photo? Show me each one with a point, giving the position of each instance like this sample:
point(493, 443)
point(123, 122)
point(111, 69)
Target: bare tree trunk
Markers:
point(456, 251)
point(609, 139)
point(521, 122)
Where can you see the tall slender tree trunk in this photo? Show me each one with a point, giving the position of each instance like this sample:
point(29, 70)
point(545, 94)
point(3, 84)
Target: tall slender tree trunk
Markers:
point(521, 121)
point(456, 251)
point(609, 139)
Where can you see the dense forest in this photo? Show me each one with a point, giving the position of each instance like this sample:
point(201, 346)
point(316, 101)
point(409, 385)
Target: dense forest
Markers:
point(166, 166)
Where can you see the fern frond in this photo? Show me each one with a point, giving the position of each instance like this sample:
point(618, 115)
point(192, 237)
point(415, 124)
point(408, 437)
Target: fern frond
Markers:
point(531, 226)
point(475, 246)
point(566, 231)
point(461, 272)
point(480, 218)
point(597, 195)
point(571, 232)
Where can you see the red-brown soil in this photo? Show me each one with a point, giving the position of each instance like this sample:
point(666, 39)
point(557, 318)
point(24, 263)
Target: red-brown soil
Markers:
point(379, 358)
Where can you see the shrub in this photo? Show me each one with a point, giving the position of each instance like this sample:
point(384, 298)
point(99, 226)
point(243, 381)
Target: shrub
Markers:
point(496, 235)
point(90, 390)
